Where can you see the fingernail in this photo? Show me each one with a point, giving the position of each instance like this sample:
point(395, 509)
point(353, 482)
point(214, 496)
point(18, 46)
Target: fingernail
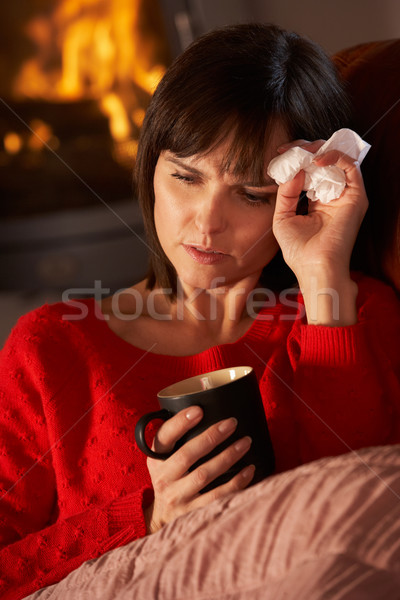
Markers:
point(243, 444)
point(248, 471)
point(194, 412)
point(227, 425)
point(318, 157)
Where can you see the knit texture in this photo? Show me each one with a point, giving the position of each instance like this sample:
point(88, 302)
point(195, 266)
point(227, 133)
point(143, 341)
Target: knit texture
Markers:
point(73, 483)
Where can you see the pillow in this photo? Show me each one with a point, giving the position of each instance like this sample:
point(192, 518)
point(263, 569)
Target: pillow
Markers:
point(328, 529)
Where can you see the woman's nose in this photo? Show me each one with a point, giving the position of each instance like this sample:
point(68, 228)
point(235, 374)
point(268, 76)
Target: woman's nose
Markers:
point(211, 214)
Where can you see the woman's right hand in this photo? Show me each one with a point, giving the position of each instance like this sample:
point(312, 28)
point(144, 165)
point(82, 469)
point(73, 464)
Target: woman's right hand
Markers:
point(177, 491)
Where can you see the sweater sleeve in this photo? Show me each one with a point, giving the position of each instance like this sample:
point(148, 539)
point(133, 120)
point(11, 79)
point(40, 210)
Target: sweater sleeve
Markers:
point(354, 400)
point(46, 556)
point(37, 548)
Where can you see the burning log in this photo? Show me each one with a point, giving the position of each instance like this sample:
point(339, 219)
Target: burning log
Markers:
point(58, 156)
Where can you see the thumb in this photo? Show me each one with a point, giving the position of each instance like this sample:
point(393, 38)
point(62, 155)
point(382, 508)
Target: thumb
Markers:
point(287, 197)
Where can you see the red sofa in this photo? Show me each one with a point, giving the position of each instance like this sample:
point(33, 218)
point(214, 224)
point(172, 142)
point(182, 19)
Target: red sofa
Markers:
point(372, 74)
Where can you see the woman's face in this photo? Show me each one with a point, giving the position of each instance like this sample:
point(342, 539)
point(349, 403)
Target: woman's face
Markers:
point(214, 228)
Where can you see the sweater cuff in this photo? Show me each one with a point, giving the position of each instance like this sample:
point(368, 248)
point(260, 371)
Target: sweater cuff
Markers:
point(332, 346)
point(126, 517)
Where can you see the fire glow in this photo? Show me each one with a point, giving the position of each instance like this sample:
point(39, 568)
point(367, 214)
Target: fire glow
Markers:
point(98, 50)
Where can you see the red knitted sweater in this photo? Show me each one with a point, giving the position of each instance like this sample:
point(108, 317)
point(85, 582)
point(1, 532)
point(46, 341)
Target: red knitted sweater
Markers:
point(74, 484)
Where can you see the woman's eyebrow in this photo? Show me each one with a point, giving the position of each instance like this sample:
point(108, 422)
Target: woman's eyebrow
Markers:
point(183, 165)
point(267, 182)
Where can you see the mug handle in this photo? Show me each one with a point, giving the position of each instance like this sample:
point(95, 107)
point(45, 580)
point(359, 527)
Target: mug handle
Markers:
point(140, 431)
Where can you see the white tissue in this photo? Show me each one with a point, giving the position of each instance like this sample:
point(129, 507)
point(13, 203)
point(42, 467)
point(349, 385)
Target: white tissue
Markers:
point(321, 183)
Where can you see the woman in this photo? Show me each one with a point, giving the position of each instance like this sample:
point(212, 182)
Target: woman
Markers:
point(77, 377)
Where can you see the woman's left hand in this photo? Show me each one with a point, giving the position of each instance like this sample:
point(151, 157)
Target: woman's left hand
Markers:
point(324, 238)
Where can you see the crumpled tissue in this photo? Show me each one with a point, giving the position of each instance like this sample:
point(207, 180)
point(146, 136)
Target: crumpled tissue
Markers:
point(321, 183)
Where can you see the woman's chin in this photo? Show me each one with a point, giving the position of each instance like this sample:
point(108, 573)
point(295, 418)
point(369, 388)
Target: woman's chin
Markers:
point(200, 281)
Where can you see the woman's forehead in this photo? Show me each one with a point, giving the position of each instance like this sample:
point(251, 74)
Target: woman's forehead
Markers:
point(244, 144)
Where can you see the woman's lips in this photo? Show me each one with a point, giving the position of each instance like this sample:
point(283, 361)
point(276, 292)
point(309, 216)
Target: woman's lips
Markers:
point(205, 256)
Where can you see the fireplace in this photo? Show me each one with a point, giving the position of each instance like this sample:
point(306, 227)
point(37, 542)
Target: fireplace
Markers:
point(74, 94)
point(76, 77)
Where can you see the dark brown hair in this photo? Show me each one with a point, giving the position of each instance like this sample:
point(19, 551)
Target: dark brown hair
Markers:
point(242, 80)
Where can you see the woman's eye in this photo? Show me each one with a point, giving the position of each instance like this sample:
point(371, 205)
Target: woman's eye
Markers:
point(253, 198)
point(256, 200)
point(183, 178)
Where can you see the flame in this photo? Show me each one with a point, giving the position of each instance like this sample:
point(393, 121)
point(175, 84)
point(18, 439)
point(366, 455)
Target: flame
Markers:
point(93, 49)
point(41, 136)
point(119, 123)
point(12, 142)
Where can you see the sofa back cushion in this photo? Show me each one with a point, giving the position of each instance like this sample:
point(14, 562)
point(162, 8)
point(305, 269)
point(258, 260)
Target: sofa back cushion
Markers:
point(372, 75)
